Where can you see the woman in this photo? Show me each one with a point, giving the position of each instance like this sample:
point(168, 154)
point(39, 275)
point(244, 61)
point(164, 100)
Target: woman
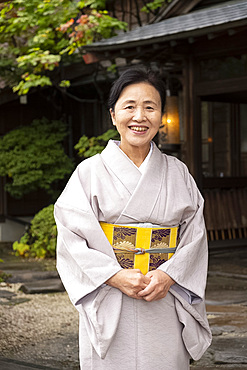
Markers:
point(141, 305)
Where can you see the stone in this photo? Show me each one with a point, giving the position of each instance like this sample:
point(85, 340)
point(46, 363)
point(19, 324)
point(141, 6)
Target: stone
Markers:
point(42, 286)
point(13, 302)
point(219, 330)
point(6, 294)
point(9, 364)
point(216, 330)
point(229, 358)
point(230, 349)
point(22, 276)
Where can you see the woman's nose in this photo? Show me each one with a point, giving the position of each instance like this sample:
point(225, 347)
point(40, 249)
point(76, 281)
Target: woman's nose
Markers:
point(139, 115)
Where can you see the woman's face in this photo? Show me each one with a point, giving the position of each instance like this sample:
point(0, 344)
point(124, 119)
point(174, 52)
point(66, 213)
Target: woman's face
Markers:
point(137, 115)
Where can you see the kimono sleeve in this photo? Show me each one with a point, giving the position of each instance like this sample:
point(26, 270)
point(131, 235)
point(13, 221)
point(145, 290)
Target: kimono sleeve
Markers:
point(85, 259)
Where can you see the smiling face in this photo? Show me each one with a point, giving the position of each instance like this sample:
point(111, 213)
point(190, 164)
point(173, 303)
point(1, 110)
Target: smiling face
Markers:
point(137, 116)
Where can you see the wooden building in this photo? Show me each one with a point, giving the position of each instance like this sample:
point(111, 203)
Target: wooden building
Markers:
point(200, 49)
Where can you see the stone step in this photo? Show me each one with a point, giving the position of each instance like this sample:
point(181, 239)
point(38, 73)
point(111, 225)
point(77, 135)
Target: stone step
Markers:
point(42, 286)
point(22, 276)
point(9, 364)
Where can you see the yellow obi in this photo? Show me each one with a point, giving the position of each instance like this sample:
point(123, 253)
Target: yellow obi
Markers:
point(144, 248)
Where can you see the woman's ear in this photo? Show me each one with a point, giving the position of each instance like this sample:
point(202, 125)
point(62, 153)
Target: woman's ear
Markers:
point(112, 113)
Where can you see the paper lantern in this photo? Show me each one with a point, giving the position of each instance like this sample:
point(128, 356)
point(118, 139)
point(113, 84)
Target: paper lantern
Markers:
point(169, 131)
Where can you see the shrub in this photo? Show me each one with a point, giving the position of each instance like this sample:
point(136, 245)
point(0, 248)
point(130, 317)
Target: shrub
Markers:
point(33, 157)
point(40, 239)
point(87, 147)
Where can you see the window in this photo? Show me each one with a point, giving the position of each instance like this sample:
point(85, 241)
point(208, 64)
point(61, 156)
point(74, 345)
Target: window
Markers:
point(223, 68)
point(224, 139)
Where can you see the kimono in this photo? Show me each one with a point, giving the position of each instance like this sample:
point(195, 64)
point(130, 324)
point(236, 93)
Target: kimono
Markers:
point(117, 331)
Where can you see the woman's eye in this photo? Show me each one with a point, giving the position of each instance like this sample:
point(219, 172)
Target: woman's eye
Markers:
point(130, 107)
point(149, 108)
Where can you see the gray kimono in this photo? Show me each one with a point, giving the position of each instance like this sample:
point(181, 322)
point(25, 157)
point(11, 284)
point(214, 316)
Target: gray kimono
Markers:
point(116, 331)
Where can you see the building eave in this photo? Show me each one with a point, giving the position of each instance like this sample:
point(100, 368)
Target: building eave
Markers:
point(194, 24)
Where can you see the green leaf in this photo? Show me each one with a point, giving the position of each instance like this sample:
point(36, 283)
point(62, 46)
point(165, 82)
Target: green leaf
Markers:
point(40, 240)
point(21, 162)
point(95, 4)
point(88, 147)
point(153, 5)
point(30, 81)
point(65, 83)
point(38, 35)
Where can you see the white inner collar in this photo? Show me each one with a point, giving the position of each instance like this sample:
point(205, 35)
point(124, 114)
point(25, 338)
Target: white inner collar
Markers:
point(144, 163)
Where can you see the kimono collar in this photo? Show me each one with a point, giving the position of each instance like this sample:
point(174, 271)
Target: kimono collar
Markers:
point(121, 165)
point(145, 162)
point(144, 189)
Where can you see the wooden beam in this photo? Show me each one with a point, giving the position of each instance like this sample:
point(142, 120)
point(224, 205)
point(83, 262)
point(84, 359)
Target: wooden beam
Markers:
point(176, 7)
point(188, 111)
point(224, 182)
point(226, 43)
point(192, 121)
point(189, 5)
point(221, 86)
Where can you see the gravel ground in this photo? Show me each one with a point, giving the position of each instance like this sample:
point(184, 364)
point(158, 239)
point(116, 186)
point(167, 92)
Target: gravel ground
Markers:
point(36, 328)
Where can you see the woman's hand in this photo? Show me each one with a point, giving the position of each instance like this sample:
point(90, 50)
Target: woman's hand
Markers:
point(130, 282)
point(158, 287)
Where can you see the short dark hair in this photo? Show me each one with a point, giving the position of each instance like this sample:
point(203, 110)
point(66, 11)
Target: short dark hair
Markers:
point(136, 75)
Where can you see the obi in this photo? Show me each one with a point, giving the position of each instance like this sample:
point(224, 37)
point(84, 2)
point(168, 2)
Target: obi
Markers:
point(143, 248)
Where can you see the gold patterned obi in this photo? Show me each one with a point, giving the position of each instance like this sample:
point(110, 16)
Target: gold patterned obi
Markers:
point(144, 248)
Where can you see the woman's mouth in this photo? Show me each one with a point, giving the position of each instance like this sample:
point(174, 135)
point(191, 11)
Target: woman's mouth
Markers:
point(138, 128)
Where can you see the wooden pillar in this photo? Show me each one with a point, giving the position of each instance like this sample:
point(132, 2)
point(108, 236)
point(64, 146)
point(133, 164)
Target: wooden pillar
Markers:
point(192, 121)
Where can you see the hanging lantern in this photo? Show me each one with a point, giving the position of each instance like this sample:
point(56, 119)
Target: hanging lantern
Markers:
point(169, 131)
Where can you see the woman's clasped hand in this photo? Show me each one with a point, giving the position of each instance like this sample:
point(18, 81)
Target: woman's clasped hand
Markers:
point(150, 287)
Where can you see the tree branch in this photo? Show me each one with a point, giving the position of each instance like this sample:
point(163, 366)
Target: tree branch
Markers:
point(146, 5)
point(138, 14)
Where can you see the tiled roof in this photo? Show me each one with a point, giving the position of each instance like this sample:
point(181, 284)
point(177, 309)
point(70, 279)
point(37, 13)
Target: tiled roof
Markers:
point(200, 22)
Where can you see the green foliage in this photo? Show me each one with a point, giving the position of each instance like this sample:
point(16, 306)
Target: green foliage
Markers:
point(87, 147)
point(37, 36)
point(112, 68)
point(89, 28)
point(40, 240)
point(96, 4)
point(4, 277)
point(29, 81)
point(33, 157)
point(65, 83)
point(154, 5)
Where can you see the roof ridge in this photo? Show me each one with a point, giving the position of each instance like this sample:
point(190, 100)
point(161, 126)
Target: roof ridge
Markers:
point(198, 19)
